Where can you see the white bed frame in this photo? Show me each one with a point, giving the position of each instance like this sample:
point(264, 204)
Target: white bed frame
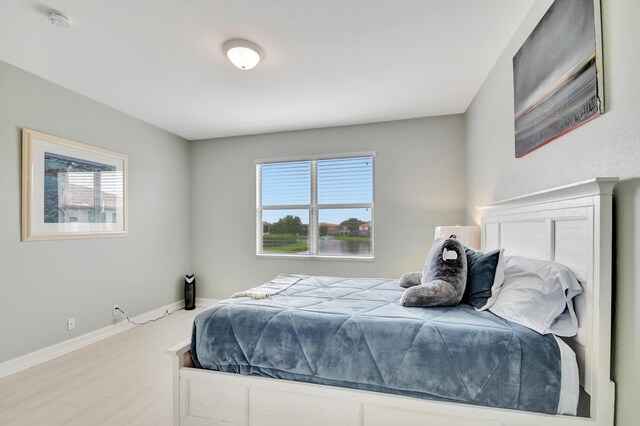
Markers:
point(571, 224)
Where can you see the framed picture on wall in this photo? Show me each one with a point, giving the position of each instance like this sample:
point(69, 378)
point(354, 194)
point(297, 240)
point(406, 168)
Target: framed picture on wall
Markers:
point(71, 190)
point(557, 74)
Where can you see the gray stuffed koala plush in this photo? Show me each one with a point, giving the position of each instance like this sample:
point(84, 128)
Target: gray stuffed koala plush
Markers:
point(443, 279)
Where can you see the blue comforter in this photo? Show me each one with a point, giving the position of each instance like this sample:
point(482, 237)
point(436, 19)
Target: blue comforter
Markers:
point(353, 333)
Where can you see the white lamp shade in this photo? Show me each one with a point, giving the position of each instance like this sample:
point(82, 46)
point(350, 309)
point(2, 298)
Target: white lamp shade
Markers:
point(467, 235)
point(243, 54)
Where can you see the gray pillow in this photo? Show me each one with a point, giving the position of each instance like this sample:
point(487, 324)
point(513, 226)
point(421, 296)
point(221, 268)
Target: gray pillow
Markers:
point(443, 278)
point(485, 275)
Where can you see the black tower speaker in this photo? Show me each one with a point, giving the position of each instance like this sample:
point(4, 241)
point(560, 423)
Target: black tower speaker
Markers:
point(189, 292)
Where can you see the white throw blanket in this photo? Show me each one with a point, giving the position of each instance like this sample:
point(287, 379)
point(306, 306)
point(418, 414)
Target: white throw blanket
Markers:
point(268, 289)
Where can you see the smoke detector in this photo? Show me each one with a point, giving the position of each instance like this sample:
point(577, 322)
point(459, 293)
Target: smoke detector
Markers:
point(57, 19)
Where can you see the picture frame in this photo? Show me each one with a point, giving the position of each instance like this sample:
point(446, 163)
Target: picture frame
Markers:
point(71, 190)
point(558, 75)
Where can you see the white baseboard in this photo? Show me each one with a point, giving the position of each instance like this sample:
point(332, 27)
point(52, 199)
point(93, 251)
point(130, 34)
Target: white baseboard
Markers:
point(23, 362)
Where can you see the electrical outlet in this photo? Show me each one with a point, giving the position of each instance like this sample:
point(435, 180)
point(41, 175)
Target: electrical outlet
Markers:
point(71, 324)
point(115, 310)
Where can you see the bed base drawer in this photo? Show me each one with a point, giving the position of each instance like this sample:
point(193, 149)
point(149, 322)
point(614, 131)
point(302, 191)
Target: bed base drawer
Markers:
point(213, 404)
point(209, 403)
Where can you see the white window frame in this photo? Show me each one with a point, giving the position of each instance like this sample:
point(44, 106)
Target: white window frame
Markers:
point(313, 207)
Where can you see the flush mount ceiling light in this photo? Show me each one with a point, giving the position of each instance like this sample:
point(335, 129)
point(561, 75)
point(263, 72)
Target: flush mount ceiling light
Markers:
point(57, 19)
point(242, 53)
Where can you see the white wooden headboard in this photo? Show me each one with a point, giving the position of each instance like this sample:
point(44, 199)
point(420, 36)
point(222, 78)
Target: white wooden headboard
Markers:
point(571, 225)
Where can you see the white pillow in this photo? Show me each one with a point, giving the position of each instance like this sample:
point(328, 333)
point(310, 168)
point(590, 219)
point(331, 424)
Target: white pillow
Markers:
point(538, 294)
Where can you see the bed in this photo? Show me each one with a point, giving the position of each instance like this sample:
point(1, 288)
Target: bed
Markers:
point(571, 225)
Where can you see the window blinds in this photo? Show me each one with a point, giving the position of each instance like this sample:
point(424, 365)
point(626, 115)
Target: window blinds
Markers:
point(318, 207)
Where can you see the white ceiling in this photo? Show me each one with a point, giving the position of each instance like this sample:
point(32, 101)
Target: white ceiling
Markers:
point(327, 62)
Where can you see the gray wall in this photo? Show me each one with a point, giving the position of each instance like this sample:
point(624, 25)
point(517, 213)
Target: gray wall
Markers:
point(419, 183)
point(606, 146)
point(44, 283)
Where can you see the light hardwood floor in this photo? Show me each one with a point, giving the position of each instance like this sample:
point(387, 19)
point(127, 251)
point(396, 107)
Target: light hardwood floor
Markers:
point(123, 380)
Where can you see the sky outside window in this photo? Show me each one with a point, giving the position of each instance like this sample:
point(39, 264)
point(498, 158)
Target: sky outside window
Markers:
point(286, 183)
point(345, 181)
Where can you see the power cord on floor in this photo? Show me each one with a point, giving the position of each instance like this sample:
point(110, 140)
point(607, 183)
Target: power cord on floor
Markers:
point(166, 312)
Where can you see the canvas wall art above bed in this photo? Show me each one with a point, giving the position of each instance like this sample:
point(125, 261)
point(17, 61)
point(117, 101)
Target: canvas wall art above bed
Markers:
point(342, 351)
point(557, 74)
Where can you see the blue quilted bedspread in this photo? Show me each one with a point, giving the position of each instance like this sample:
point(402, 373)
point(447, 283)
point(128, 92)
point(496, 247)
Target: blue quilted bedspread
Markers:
point(353, 333)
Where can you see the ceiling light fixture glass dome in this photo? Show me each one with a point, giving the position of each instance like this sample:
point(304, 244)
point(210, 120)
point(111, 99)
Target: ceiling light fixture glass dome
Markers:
point(242, 53)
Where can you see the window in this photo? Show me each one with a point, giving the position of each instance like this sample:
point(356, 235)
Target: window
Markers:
point(316, 207)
